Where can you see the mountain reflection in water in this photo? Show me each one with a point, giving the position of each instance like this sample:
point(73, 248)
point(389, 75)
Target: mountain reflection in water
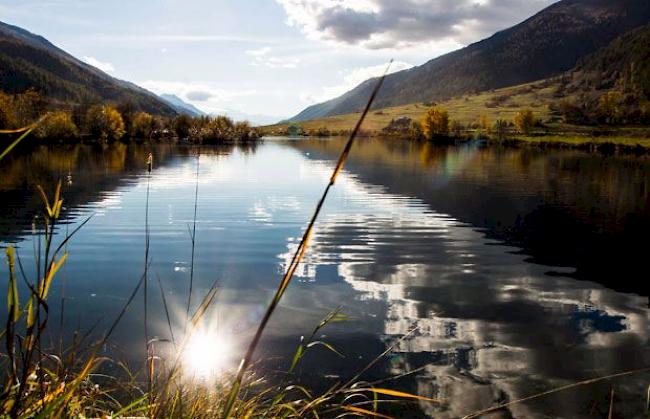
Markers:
point(490, 327)
point(520, 270)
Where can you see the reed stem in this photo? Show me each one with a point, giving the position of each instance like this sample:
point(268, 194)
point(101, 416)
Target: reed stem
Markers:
point(193, 238)
point(146, 274)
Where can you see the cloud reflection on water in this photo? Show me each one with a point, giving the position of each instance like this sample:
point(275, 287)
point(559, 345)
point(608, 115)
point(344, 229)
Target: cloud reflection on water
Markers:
point(490, 327)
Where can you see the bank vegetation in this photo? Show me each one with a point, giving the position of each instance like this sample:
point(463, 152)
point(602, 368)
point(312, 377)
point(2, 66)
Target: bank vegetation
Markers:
point(109, 122)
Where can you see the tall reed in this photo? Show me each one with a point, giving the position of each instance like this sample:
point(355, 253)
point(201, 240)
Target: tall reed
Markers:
point(147, 243)
point(193, 235)
point(23, 339)
point(297, 256)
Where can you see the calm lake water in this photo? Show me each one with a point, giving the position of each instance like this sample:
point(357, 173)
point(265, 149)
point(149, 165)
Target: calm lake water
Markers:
point(522, 269)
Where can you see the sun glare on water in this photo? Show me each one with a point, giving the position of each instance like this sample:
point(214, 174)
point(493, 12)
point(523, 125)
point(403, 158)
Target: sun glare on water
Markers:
point(206, 355)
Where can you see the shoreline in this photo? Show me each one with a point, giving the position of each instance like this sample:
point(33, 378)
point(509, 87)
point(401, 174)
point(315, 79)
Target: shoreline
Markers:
point(605, 145)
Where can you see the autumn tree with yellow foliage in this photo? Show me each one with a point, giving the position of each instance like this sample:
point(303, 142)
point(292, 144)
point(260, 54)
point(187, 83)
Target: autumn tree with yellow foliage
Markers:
point(435, 123)
point(57, 125)
point(105, 123)
point(525, 121)
point(142, 126)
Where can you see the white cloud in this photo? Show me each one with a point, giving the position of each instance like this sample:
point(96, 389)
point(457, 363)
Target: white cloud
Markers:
point(282, 62)
point(175, 38)
point(378, 24)
point(106, 67)
point(199, 95)
point(351, 79)
point(261, 57)
point(260, 52)
point(206, 96)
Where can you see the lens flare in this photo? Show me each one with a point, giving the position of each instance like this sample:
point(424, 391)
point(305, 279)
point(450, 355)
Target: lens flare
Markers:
point(206, 355)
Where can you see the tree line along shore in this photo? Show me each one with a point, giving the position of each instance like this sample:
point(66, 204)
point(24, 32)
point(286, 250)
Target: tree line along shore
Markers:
point(108, 122)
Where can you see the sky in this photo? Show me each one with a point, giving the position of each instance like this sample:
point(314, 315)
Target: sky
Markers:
point(260, 58)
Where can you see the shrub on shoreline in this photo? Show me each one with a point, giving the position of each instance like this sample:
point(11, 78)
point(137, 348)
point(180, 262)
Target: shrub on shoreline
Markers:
point(435, 123)
point(143, 125)
point(113, 122)
point(57, 126)
point(105, 123)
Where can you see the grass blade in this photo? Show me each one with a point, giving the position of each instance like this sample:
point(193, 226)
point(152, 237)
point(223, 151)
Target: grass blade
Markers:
point(15, 143)
point(364, 412)
point(25, 132)
point(12, 294)
point(193, 237)
point(401, 394)
point(164, 300)
point(554, 390)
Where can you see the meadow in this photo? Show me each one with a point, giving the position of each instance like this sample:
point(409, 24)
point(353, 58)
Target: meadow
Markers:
point(485, 108)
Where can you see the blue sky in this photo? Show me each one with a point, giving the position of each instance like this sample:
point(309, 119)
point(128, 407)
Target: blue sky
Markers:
point(265, 57)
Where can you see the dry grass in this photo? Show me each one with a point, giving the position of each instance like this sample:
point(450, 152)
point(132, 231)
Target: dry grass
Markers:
point(466, 109)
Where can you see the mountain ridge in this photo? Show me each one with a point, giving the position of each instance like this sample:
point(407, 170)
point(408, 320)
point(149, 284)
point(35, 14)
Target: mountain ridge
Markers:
point(546, 44)
point(30, 61)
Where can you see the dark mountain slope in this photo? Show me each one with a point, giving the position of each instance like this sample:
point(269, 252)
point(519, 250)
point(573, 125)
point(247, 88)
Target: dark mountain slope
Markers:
point(547, 44)
point(623, 65)
point(30, 61)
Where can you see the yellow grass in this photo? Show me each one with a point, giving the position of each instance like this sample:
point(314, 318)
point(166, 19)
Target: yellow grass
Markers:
point(466, 109)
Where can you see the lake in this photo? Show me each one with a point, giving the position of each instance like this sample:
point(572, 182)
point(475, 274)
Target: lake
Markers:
point(510, 271)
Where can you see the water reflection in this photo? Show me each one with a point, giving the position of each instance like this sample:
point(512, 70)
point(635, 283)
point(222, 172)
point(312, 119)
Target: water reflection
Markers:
point(413, 236)
point(490, 327)
point(586, 211)
point(90, 173)
point(206, 355)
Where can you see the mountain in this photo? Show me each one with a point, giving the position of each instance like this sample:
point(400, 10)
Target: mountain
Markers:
point(549, 43)
point(180, 105)
point(254, 119)
point(624, 64)
point(183, 107)
point(31, 61)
